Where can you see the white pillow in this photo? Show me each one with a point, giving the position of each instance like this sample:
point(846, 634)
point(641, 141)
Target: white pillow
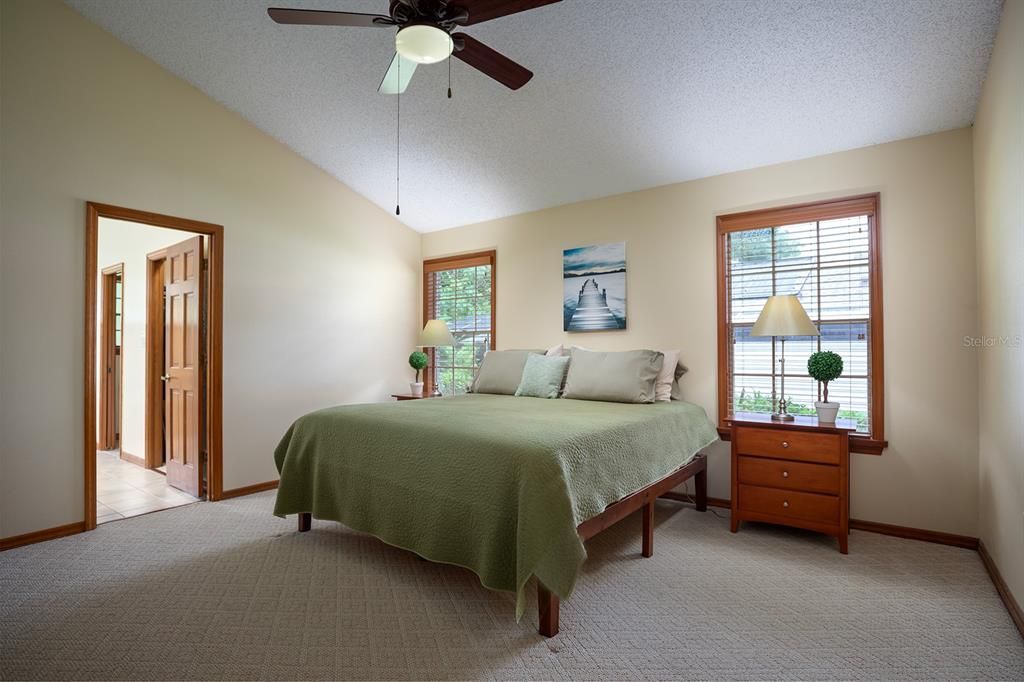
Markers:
point(667, 376)
point(555, 351)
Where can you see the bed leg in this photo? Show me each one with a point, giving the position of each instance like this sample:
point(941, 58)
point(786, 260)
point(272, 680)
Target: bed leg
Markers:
point(547, 607)
point(305, 521)
point(648, 541)
point(700, 483)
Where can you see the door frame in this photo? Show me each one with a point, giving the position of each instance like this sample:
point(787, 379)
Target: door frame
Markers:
point(154, 415)
point(214, 383)
point(110, 391)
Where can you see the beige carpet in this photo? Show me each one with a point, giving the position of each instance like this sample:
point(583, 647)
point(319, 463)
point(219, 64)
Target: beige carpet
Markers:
point(227, 591)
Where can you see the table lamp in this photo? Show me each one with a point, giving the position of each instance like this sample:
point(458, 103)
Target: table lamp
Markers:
point(783, 316)
point(436, 333)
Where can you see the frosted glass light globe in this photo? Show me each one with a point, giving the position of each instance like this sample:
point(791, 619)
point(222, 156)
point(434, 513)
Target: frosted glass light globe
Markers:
point(423, 44)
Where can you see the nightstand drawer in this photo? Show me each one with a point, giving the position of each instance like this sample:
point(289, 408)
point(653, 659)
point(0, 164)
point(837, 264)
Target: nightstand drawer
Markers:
point(789, 504)
point(785, 444)
point(778, 473)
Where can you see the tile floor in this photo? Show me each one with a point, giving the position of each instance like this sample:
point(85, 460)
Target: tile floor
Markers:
point(124, 489)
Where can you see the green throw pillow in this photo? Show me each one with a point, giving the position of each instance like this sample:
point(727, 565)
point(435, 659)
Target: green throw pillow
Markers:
point(501, 371)
point(543, 376)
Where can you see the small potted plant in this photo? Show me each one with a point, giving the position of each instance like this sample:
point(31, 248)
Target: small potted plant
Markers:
point(418, 361)
point(825, 366)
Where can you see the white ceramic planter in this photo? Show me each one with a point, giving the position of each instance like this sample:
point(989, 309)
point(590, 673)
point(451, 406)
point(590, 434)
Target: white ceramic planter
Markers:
point(416, 387)
point(827, 411)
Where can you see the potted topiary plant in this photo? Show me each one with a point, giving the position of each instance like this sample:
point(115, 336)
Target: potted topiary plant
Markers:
point(825, 366)
point(418, 361)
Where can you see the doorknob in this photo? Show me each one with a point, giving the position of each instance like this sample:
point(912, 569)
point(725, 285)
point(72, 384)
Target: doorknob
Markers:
point(164, 377)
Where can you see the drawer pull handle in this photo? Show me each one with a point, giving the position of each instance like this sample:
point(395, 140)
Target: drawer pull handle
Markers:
point(786, 503)
point(785, 443)
point(785, 474)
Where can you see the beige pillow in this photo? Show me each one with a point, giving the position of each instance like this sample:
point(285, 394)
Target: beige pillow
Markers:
point(501, 371)
point(670, 372)
point(623, 377)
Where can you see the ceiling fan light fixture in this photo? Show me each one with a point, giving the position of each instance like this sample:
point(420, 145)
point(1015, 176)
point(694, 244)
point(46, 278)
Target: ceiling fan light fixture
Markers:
point(424, 44)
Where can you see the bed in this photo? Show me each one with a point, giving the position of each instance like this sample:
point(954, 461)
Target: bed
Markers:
point(508, 487)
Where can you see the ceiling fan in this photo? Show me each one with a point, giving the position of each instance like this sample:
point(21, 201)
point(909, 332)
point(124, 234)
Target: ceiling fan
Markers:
point(425, 35)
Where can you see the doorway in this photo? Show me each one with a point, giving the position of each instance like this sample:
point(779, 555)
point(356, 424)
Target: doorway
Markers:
point(111, 318)
point(153, 351)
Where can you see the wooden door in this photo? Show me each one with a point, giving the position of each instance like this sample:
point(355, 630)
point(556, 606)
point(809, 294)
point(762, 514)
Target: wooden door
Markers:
point(184, 303)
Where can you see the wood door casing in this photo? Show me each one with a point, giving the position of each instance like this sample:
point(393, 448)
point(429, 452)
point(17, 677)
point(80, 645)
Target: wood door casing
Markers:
point(183, 309)
point(155, 341)
point(213, 379)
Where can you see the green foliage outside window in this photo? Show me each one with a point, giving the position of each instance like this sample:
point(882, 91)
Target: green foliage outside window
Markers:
point(462, 298)
point(759, 403)
point(755, 246)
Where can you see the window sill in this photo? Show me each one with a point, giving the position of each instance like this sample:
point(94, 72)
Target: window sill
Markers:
point(863, 445)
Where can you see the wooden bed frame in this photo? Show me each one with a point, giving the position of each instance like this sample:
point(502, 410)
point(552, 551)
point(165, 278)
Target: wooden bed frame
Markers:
point(697, 469)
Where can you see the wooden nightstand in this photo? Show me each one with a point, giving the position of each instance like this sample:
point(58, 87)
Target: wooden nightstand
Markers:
point(792, 473)
point(410, 396)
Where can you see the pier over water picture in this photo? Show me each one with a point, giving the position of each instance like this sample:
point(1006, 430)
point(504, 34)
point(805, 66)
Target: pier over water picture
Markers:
point(594, 288)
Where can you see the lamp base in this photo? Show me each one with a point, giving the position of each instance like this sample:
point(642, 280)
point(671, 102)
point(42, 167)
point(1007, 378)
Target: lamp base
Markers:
point(436, 393)
point(783, 417)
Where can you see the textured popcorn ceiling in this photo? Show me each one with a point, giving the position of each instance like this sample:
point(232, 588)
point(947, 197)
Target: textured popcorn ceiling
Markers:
point(627, 94)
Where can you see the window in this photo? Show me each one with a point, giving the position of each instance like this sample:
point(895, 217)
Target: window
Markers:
point(460, 291)
point(827, 255)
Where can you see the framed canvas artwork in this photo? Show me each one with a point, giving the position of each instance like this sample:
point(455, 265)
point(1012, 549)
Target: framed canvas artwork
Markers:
point(594, 288)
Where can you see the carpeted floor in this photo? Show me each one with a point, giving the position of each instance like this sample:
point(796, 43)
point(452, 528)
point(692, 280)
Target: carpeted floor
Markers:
point(228, 591)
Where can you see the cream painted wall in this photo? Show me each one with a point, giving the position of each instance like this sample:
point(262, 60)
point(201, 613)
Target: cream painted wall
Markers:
point(999, 204)
point(928, 476)
point(84, 117)
point(128, 243)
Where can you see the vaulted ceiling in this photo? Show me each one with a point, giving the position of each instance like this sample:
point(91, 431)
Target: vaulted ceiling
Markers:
point(627, 94)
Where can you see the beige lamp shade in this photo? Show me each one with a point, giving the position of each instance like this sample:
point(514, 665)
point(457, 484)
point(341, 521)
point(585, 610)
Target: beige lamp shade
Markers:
point(436, 333)
point(783, 316)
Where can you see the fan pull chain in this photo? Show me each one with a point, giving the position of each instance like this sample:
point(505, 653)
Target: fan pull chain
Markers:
point(398, 145)
point(449, 77)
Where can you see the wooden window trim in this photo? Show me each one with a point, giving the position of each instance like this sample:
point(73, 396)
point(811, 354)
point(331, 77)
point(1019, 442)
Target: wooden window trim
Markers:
point(864, 204)
point(456, 262)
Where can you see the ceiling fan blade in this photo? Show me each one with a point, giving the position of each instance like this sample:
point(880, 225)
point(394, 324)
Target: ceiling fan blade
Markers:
point(391, 84)
point(494, 64)
point(485, 10)
point(316, 17)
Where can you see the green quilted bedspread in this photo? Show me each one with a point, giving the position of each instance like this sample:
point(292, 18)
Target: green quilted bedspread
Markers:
point(496, 484)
